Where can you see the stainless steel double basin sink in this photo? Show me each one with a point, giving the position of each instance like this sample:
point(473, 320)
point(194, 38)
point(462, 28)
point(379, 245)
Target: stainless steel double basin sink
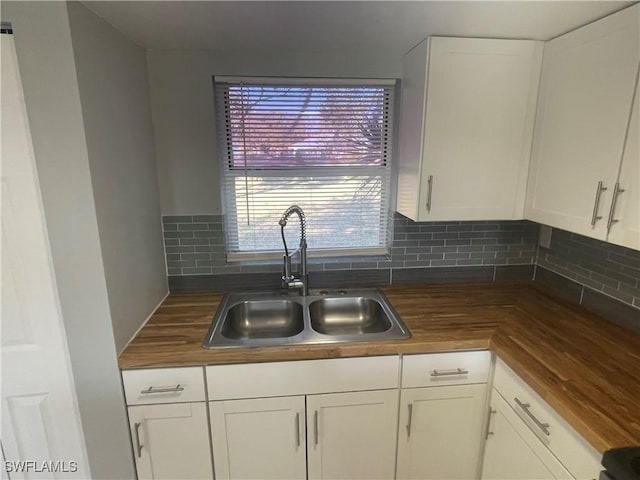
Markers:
point(326, 316)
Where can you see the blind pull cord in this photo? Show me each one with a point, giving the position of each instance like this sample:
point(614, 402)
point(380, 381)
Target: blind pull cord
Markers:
point(244, 153)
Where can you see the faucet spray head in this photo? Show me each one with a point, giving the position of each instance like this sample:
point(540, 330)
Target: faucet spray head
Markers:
point(303, 221)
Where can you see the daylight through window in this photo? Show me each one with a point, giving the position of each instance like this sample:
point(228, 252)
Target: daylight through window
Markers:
point(323, 146)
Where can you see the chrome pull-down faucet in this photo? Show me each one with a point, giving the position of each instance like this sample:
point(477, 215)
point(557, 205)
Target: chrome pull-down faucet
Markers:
point(289, 279)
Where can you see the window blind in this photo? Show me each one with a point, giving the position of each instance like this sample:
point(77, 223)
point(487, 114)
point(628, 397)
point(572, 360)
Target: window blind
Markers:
point(323, 146)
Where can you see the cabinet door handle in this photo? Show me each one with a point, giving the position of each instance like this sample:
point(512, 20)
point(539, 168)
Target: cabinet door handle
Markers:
point(594, 216)
point(298, 430)
point(409, 420)
point(152, 389)
point(315, 427)
point(429, 190)
point(136, 430)
point(526, 408)
point(612, 211)
point(455, 371)
point(488, 431)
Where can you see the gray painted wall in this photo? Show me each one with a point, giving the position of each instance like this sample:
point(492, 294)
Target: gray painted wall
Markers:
point(114, 94)
point(46, 61)
point(183, 111)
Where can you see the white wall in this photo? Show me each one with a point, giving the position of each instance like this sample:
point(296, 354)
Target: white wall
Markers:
point(78, 161)
point(183, 111)
point(114, 94)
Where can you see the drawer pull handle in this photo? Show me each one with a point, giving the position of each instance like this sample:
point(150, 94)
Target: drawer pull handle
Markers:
point(409, 420)
point(297, 430)
point(526, 408)
point(149, 390)
point(136, 429)
point(429, 190)
point(315, 428)
point(444, 373)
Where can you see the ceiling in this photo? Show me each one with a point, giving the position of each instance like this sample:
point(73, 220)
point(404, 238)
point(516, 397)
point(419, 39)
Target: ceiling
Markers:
point(338, 26)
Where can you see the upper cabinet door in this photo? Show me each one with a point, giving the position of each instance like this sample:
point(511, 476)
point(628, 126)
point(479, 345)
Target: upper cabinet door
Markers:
point(588, 79)
point(466, 126)
point(624, 215)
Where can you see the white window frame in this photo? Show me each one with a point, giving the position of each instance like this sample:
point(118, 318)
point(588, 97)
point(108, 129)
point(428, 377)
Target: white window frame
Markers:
point(226, 172)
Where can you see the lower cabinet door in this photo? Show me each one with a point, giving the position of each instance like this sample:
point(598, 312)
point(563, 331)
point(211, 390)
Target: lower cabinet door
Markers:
point(440, 432)
point(171, 441)
point(259, 438)
point(352, 435)
point(513, 451)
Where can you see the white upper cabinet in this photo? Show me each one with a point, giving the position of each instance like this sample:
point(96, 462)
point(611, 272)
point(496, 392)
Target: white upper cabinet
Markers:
point(586, 91)
point(466, 127)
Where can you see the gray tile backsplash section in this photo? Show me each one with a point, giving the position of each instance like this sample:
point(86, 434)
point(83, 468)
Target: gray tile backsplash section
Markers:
point(614, 310)
point(603, 277)
point(195, 246)
point(597, 265)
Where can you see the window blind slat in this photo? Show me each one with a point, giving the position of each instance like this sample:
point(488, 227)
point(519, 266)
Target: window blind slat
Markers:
point(321, 146)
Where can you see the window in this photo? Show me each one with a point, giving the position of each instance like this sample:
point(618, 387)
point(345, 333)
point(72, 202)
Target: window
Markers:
point(323, 145)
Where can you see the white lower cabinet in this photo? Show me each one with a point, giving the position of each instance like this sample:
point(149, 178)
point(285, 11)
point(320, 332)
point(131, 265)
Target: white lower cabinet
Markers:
point(259, 438)
point(350, 418)
point(352, 435)
point(171, 441)
point(513, 451)
point(440, 432)
point(528, 440)
point(338, 436)
point(317, 419)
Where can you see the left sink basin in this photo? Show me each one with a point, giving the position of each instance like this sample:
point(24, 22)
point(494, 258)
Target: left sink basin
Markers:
point(263, 319)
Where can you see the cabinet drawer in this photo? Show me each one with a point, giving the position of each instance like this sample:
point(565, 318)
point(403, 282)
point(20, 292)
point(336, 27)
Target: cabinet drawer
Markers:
point(163, 385)
point(302, 377)
point(437, 369)
point(575, 453)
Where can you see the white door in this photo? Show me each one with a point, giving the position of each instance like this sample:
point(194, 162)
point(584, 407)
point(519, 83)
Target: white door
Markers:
point(40, 418)
point(259, 438)
point(626, 231)
point(352, 435)
point(481, 96)
point(440, 432)
point(171, 441)
point(588, 78)
point(513, 451)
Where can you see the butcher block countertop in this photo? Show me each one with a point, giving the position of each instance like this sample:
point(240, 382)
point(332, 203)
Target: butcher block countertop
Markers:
point(585, 367)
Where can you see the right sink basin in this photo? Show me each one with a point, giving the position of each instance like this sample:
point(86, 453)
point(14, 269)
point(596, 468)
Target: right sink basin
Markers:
point(348, 316)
